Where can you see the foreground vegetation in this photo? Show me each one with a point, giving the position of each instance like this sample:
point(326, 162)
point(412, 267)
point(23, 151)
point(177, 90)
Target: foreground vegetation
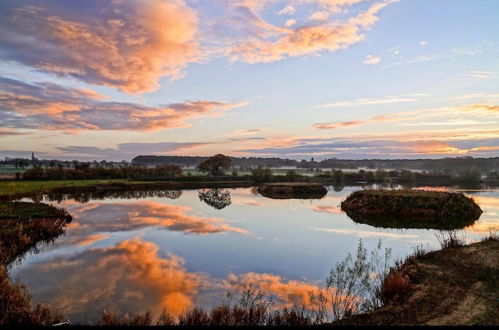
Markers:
point(15, 241)
point(458, 285)
point(411, 209)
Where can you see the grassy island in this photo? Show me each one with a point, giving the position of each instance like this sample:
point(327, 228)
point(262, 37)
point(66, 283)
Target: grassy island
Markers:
point(300, 190)
point(16, 210)
point(411, 209)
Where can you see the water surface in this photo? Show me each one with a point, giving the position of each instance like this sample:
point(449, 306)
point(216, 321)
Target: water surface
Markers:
point(153, 250)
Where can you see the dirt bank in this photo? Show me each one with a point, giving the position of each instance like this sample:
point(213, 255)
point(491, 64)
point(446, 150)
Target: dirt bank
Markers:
point(453, 286)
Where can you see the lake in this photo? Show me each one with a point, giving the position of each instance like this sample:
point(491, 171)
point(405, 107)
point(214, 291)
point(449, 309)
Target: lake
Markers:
point(174, 249)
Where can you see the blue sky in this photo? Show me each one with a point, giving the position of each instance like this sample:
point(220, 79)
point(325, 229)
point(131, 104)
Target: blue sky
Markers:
point(297, 78)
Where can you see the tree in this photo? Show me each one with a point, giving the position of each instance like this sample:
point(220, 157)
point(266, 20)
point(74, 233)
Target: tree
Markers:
point(406, 176)
point(215, 165)
point(469, 176)
point(381, 175)
point(338, 176)
point(261, 174)
point(291, 175)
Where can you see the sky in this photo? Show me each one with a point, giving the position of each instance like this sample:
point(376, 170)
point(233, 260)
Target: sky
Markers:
point(262, 78)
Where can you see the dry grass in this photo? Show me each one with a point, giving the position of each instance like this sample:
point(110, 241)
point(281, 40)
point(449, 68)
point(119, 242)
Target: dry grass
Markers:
point(457, 285)
point(396, 286)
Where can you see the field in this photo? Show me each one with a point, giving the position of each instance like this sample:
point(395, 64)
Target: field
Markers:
point(19, 187)
point(11, 169)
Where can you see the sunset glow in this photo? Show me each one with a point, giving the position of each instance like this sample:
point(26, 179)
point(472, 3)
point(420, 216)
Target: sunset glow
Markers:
point(297, 78)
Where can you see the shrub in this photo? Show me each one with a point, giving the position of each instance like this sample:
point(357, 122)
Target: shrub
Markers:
point(395, 286)
point(261, 174)
point(291, 175)
point(449, 239)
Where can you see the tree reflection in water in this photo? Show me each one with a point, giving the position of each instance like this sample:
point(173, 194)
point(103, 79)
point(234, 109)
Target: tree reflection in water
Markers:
point(86, 196)
point(215, 198)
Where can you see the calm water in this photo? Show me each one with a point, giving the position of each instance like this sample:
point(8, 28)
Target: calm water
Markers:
point(174, 250)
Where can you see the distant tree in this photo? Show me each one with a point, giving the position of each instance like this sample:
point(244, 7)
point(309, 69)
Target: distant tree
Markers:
point(215, 165)
point(167, 171)
point(291, 175)
point(261, 174)
point(406, 176)
point(338, 176)
point(369, 176)
point(381, 175)
point(35, 173)
point(469, 176)
point(493, 176)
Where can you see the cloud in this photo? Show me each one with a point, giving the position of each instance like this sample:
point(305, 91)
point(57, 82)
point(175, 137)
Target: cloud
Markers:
point(10, 132)
point(371, 59)
point(371, 101)
point(92, 218)
point(290, 22)
point(320, 15)
point(476, 74)
point(128, 277)
point(363, 234)
point(49, 106)
point(423, 43)
point(127, 45)
point(288, 10)
point(287, 293)
point(327, 209)
point(480, 142)
point(128, 150)
point(339, 124)
point(269, 44)
point(414, 118)
point(87, 240)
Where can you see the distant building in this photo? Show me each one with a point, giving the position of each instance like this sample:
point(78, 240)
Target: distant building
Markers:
point(33, 158)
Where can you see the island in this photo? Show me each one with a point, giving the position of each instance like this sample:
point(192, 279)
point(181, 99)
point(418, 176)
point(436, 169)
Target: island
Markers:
point(411, 209)
point(297, 190)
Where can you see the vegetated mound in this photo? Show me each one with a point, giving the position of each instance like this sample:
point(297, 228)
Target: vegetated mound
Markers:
point(453, 286)
point(16, 210)
point(300, 190)
point(411, 209)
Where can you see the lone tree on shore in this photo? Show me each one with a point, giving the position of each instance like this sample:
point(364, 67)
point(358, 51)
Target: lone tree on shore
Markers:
point(215, 165)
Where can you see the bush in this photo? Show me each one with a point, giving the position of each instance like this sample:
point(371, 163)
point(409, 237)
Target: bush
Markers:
point(469, 176)
point(395, 286)
point(261, 174)
point(292, 176)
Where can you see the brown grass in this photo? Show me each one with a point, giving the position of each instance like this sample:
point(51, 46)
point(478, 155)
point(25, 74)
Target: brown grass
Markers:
point(396, 286)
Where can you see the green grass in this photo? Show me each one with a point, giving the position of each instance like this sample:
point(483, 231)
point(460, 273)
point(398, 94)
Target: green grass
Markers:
point(19, 187)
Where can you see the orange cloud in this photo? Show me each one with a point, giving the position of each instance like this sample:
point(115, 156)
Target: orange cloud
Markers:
point(339, 124)
point(278, 44)
point(89, 240)
point(53, 107)
point(288, 293)
point(436, 147)
point(128, 277)
point(127, 45)
point(327, 209)
point(104, 217)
